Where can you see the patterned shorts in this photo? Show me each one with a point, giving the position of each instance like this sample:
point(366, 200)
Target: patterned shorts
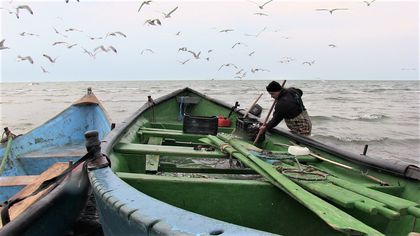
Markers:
point(301, 124)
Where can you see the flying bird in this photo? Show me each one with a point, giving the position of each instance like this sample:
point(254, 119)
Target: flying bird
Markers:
point(67, 1)
point(146, 50)
point(105, 49)
point(28, 58)
point(2, 47)
point(167, 15)
point(260, 14)
point(262, 6)
point(49, 58)
point(332, 10)
point(58, 32)
point(183, 62)
point(309, 63)
point(251, 53)
point(153, 22)
point(332, 45)
point(196, 55)
point(368, 2)
point(178, 33)
point(227, 65)
point(88, 52)
point(44, 70)
point(70, 46)
point(23, 7)
point(258, 69)
point(258, 34)
point(73, 29)
point(30, 34)
point(56, 43)
point(144, 3)
point(9, 11)
point(184, 49)
point(115, 34)
point(226, 30)
point(238, 43)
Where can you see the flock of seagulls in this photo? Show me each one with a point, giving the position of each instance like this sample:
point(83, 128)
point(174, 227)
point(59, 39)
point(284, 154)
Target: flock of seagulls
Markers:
point(239, 72)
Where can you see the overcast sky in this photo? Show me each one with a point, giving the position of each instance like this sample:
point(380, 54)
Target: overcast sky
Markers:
point(295, 40)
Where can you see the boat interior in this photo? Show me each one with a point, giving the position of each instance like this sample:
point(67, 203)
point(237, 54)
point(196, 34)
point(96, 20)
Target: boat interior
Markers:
point(189, 169)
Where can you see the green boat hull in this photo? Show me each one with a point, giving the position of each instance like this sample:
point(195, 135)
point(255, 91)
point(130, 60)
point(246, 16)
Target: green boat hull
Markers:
point(151, 156)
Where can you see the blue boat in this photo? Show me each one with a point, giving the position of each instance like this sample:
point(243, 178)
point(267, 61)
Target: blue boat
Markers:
point(27, 160)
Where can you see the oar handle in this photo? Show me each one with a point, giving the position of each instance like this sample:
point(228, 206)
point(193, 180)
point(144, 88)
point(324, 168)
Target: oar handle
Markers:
point(253, 104)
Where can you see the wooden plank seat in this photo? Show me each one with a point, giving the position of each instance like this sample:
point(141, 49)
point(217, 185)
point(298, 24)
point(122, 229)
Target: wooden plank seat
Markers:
point(66, 151)
point(178, 126)
point(174, 134)
point(131, 148)
point(152, 161)
point(18, 208)
point(8, 181)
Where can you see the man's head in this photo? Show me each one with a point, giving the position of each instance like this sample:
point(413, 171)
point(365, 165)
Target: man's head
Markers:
point(274, 88)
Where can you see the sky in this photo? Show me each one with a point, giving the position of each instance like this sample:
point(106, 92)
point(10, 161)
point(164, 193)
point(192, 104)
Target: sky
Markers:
point(291, 40)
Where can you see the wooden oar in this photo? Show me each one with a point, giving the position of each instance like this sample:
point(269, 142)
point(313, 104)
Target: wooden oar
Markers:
point(260, 132)
point(253, 104)
point(383, 183)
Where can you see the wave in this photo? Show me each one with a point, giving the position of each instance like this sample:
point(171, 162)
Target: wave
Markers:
point(364, 140)
point(364, 117)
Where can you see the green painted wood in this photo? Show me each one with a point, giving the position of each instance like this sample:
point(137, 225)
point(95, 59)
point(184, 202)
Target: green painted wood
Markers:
point(336, 218)
point(170, 134)
point(152, 161)
point(178, 126)
point(396, 203)
point(169, 167)
point(166, 150)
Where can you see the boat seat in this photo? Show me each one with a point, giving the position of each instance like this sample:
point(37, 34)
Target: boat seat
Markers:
point(75, 150)
point(54, 170)
point(152, 161)
point(9, 181)
point(165, 133)
point(178, 127)
point(143, 149)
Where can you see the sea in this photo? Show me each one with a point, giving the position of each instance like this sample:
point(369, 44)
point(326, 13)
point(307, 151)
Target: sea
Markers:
point(385, 115)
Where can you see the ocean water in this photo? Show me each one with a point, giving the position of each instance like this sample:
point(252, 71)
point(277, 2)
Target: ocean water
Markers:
point(348, 114)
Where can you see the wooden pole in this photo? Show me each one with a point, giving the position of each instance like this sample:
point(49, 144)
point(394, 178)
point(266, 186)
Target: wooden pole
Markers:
point(253, 104)
point(260, 132)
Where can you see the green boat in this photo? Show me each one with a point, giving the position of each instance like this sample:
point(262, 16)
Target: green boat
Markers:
point(174, 171)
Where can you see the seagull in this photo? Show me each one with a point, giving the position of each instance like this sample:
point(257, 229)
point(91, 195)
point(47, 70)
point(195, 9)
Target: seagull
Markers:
point(147, 50)
point(260, 14)
point(70, 46)
point(105, 49)
point(73, 29)
point(56, 43)
point(57, 32)
point(28, 58)
point(238, 43)
point(25, 7)
point(332, 10)
point(183, 62)
point(309, 63)
point(227, 65)
point(167, 15)
point(182, 49)
point(196, 55)
point(251, 53)
point(225, 30)
point(178, 33)
point(93, 38)
point(30, 34)
point(67, 1)
point(2, 47)
point(115, 34)
point(153, 22)
point(88, 52)
point(144, 3)
point(258, 69)
point(368, 3)
point(44, 70)
point(262, 6)
point(49, 58)
point(332, 45)
point(258, 34)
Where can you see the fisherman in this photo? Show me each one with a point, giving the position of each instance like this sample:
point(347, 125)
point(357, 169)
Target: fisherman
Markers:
point(289, 106)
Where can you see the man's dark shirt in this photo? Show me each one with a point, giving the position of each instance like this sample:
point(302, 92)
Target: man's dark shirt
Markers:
point(289, 105)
